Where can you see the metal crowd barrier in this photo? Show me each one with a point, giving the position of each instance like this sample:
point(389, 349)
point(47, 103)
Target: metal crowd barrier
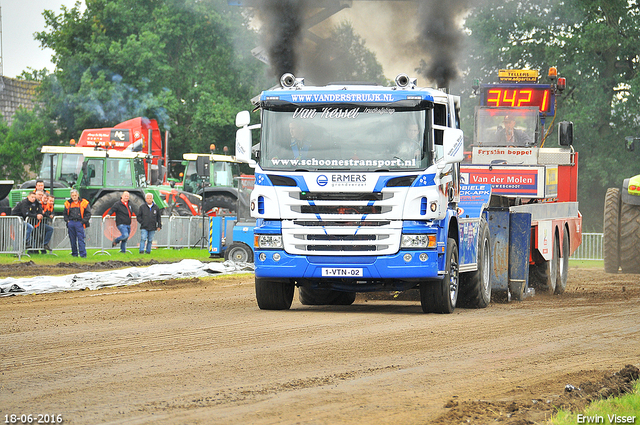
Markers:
point(177, 232)
point(590, 248)
point(12, 235)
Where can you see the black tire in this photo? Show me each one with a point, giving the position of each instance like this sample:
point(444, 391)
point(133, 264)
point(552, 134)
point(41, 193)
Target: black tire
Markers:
point(475, 287)
point(440, 296)
point(310, 296)
point(543, 275)
point(611, 231)
point(239, 252)
point(629, 238)
point(103, 203)
point(563, 264)
point(273, 294)
point(220, 201)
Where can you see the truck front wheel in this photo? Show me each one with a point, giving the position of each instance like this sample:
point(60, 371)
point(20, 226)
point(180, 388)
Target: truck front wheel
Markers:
point(440, 296)
point(273, 294)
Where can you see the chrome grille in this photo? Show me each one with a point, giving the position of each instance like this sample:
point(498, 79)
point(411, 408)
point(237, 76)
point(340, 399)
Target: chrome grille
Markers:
point(341, 237)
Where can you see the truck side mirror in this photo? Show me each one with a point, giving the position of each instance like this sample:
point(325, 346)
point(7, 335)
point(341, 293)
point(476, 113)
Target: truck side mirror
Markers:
point(243, 145)
point(565, 133)
point(243, 118)
point(453, 144)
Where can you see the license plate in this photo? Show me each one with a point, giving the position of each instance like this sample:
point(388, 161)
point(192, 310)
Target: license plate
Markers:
point(341, 272)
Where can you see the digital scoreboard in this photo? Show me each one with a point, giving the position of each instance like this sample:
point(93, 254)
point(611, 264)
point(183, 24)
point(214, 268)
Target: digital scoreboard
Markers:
point(519, 95)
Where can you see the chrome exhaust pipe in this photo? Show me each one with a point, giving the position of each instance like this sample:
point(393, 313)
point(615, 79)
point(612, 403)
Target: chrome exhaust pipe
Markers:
point(287, 80)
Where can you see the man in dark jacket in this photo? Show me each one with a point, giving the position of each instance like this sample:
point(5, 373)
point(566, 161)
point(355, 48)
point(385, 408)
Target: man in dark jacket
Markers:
point(77, 213)
point(30, 210)
point(150, 221)
point(122, 210)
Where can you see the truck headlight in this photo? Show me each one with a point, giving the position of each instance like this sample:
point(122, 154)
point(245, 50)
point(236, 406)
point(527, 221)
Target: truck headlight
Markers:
point(418, 241)
point(267, 241)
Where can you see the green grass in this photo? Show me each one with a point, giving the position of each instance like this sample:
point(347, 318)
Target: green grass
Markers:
point(93, 256)
point(587, 264)
point(625, 406)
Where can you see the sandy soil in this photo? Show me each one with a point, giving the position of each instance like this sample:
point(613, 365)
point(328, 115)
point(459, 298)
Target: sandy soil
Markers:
point(200, 351)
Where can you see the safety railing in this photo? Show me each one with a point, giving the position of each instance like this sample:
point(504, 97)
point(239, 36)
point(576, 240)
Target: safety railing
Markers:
point(176, 232)
point(12, 235)
point(590, 248)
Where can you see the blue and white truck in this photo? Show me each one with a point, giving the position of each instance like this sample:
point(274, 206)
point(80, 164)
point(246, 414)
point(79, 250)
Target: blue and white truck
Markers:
point(357, 189)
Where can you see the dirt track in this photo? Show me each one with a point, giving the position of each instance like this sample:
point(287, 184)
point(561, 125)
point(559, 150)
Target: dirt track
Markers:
point(200, 351)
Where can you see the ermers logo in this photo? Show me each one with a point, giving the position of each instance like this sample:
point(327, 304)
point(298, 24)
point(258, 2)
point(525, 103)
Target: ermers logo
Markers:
point(322, 180)
point(349, 178)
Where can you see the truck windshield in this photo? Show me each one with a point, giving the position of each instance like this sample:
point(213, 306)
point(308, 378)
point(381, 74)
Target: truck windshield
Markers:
point(338, 138)
point(517, 127)
point(71, 166)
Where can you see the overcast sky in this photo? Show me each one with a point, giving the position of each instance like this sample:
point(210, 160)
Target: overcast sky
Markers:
point(20, 20)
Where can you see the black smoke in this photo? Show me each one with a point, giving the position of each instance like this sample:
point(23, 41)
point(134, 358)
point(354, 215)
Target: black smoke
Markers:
point(435, 46)
point(283, 27)
point(440, 39)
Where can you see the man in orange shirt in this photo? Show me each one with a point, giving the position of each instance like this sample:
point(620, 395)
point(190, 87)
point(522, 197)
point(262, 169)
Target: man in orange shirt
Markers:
point(77, 213)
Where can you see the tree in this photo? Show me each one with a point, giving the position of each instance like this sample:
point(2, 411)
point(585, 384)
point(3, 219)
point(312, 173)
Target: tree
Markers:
point(20, 144)
point(352, 60)
point(594, 44)
point(172, 60)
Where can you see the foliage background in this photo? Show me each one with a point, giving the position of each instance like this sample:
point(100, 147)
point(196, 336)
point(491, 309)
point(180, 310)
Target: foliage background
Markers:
point(188, 64)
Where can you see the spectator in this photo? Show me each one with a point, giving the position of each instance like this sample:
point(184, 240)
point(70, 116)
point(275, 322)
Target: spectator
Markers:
point(150, 221)
point(122, 210)
point(77, 214)
point(47, 218)
point(29, 209)
point(40, 185)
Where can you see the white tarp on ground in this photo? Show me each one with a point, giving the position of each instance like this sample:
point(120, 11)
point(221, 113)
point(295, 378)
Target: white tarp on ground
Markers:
point(128, 276)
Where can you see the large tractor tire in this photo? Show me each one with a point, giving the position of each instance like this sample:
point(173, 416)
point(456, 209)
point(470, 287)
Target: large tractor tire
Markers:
point(273, 294)
point(220, 201)
point(611, 229)
point(629, 238)
point(475, 287)
point(310, 296)
point(441, 296)
point(105, 202)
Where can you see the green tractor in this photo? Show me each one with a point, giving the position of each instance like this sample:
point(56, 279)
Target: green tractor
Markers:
point(101, 175)
point(211, 176)
point(621, 239)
